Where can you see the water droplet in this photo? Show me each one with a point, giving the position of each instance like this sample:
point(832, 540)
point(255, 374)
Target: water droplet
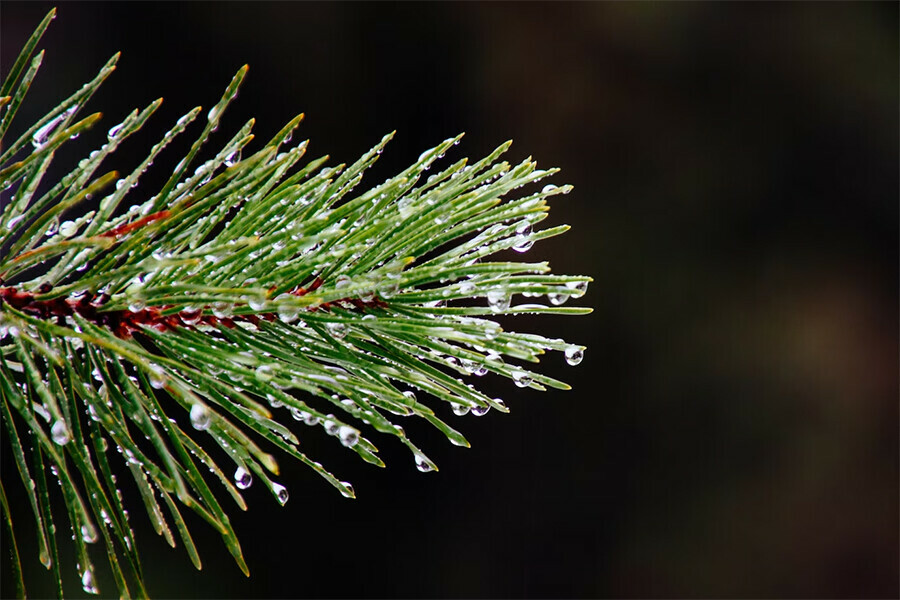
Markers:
point(287, 312)
point(549, 188)
point(580, 287)
point(60, 433)
point(40, 136)
point(557, 299)
point(281, 493)
point(422, 464)
point(114, 131)
point(52, 227)
point(67, 229)
point(232, 158)
point(338, 330)
point(310, 419)
point(347, 489)
point(498, 300)
point(459, 409)
point(521, 379)
point(157, 377)
point(199, 417)
point(349, 436)
point(256, 302)
point(221, 310)
point(88, 533)
point(136, 306)
point(87, 582)
point(190, 315)
point(523, 237)
point(331, 428)
point(265, 372)
point(574, 355)
point(243, 478)
point(480, 411)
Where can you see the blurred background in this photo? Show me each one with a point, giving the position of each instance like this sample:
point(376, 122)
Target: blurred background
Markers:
point(733, 429)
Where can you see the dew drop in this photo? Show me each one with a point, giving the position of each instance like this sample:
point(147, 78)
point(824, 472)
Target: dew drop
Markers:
point(498, 300)
point(243, 478)
point(331, 428)
point(287, 312)
point(459, 409)
point(349, 436)
point(580, 287)
point(557, 299)
point(265, 372)
point(422, 464)
point(233, 158)
point(190, 315)
point(410, 396)
point(574, 355)
point(310, 419)
point(480, 411)
point(87, 582)
point(88, 533)
point(521, 379)
point(338, 330)
point(281, 493)
point(60, 433)
point(157, 377)
point(347, 489)
point(67, 229)
point(136, 306)
point(199, 417)
point(114, 131)
point(549, 188)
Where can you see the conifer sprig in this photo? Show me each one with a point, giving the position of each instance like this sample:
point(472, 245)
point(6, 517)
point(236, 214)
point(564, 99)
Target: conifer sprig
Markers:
point(252, 298)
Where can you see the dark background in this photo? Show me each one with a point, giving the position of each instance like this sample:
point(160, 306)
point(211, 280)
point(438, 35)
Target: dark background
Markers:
point(733, 429)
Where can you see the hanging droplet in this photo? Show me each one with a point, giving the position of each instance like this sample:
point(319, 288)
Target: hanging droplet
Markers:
point(265, 372)
point(346, 489)
point(281, 493)
point(574, 355)
point(491, 330)
point(521, 379)
point(157, 377)
point(523, 238)
point(557, 299)
point(221, 310)
point(287, 312)
point(338, 330)
point(480, 370)
point(60, 433)
point(200, 417)
point(580, 287)
point(459, 409)
point(232, 158)
point(190, 315)
point(422, 464)
point(549, 188)
point(243, 478)
point(480, 411)
point(136, 305)
point(67, 229)
point(310, 419)
point(256, 301)
point(349, 436)
point(87, 582)
point(410, 396)
point(498, 300)
point(89, 533)
point(114, 131)
point(331, 428)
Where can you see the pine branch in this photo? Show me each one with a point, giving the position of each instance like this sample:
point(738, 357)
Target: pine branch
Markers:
point(247, 289)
